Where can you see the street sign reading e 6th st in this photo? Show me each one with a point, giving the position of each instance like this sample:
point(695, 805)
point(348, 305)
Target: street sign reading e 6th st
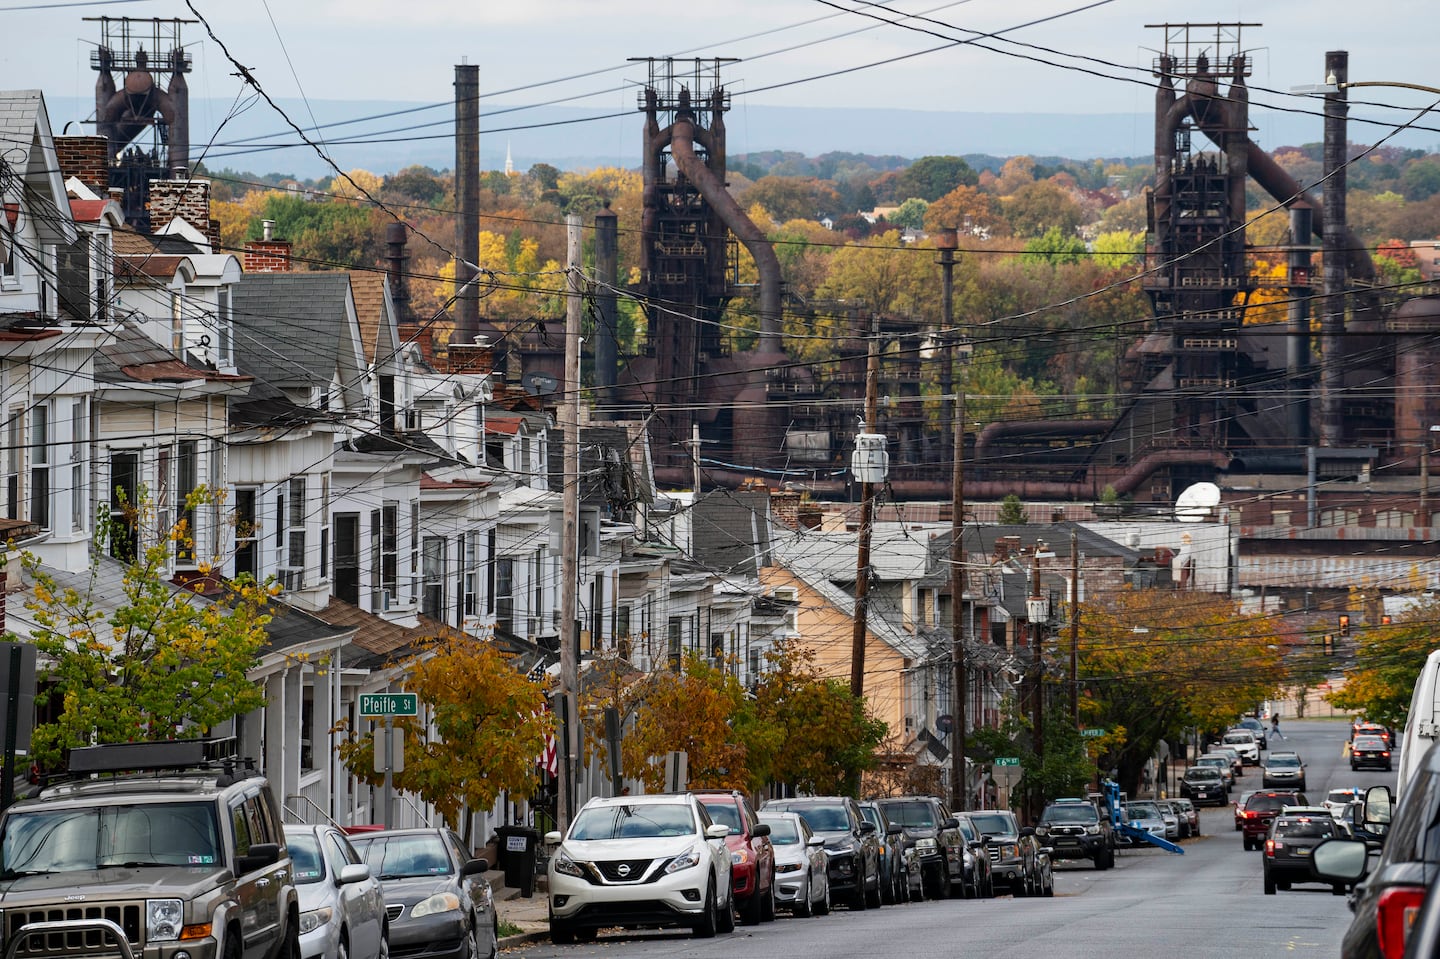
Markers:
point(389, 704)
point(1007, 761)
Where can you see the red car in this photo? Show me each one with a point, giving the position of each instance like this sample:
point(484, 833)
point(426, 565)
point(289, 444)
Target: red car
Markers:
point(752, 857)
point(1261, 809)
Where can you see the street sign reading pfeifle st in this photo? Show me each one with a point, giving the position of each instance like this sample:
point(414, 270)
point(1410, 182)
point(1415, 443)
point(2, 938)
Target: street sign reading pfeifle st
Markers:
point(389, 704)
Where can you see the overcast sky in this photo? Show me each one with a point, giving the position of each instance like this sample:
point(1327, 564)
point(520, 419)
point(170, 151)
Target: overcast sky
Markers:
point(405, 50)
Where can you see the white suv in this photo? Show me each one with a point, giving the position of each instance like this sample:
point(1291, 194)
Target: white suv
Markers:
point(640, 861)
point(1243, 741)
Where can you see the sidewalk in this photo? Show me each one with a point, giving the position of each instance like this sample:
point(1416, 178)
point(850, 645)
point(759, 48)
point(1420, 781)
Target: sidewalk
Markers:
point(530, 915)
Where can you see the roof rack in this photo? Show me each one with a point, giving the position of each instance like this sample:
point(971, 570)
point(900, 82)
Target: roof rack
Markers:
point(149, 757)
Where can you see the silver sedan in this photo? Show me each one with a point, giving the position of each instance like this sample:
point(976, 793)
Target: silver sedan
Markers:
point(802, 881)
point(342, 909)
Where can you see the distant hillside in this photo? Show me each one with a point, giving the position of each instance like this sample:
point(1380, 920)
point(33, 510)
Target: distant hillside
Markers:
point(259, 141)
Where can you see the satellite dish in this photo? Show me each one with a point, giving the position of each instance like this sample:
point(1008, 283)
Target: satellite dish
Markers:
point(539, 384)
point(1196, 503)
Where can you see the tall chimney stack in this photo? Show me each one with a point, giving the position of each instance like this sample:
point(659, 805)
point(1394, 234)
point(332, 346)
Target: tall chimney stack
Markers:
point(467, 196)
point(607, 269)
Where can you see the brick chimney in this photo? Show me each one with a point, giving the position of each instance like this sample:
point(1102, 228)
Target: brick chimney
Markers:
point(187, 199)
point(785, 507)
point(87, 159)
point(267, 254)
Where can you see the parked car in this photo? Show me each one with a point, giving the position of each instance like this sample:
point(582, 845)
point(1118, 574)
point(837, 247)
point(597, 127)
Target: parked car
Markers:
point(1143, 814)
point(937, 845)
point(1171, 818)
point(437, 899)
point(1222, 763)
point(1243, 741)
point(1012, 856)
point(1256, 727)
point(1369, 752)
point(342, 907)
point(801, 868)
point(979, 880)
point(1260, 811)
point(1204, 786)
point(1283, 770)
point(1074, 829)
point(1237, 764)
point(1288, 848)
point(894, 880)
point(640, 862)
point(752, 858)
point(1189, 818)
point(850, 842)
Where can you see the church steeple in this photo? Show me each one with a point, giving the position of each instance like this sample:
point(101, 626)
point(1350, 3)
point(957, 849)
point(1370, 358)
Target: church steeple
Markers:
point(509, 164)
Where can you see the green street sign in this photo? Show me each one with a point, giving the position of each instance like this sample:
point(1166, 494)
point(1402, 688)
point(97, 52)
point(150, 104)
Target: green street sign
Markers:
point(1007, 760)
point(1093, 732)
point(389, 704)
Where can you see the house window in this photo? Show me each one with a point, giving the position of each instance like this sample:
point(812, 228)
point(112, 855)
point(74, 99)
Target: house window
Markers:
point(8, 274)
point(14, 460)
point(78, 423)
point(490, 571)
point(432, 589)
point(40, 465)
point(504, 599)
point(347, 557)
point(1393, 518)
point(537, 586)
point(1279, 517)
point(225, 331)
point(177, 325)
point(470, 575)
point(414, 549)
point(162, 493)
point(389, 553)
point(717, 648)
point(676, 638)
point(187, 478)
point(324, 526)
point(246, 534)
point(72, 279)
point(292, 572)
point(124, 531)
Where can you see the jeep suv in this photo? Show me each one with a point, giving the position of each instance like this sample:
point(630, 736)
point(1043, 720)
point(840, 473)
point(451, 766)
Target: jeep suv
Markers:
point(1074, 829)
point(752, 857)
point(166, 848)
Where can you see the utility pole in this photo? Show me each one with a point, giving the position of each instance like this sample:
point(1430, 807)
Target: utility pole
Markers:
point(1074, 628)
point(867, 517)
point(570, 528)
point(1037, 704)
point(947, 241)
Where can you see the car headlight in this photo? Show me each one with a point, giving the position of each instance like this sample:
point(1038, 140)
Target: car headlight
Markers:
point(1092, 830)
point(686, 860)
point(164, 918)
point(1009, 851)
point(926, 847)
point(788, 867)
point(740, 856)
point(439, 903)
point(1042, 830)
point(314, 919)
point(566, 866)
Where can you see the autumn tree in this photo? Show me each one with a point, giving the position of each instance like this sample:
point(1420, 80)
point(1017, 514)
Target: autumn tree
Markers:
point(162, 664)
point(910, 214)
point(885, 275)
point(931, 177)
point(969, 209)
point(487, 727)
point(793, 198)
point(1159, 662)
point(1387, 662)
point(1042, 205)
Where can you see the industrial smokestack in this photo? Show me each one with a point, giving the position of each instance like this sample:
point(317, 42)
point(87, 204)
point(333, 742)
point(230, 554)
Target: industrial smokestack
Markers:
point(467, 196)
point(1332, 310)
point(1297, 334)
point(607, 269)
point(396, 235)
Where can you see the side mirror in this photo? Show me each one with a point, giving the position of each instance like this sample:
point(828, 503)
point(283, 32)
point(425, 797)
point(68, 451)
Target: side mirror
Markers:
point(951, 823)
point(866, 827)
point(261, 854)
point(1027, 831)
point(1343, 859)
point(474, 867)
point(716, 831)
point(553, 838)
point(761, 830)
point(815, 841)
point(1379, 802)
point(353, 872)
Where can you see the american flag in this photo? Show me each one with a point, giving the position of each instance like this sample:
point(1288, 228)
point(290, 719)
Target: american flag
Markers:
point(549, 760)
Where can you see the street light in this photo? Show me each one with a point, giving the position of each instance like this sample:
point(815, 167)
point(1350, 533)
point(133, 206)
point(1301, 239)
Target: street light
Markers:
point(1331, 85)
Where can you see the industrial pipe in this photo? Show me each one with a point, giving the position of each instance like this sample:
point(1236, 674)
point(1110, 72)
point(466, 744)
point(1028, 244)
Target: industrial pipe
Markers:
point(993, 431)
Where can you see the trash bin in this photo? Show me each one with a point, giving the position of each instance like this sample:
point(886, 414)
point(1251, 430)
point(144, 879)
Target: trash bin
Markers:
point(517, 857)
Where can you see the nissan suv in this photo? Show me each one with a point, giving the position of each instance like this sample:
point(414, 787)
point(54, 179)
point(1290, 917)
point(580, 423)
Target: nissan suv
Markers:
point(1074, 829)
point(163, 845)
point(752, 857)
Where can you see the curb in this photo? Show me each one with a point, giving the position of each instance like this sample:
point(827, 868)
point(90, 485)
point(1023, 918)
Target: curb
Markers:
point(522, 939)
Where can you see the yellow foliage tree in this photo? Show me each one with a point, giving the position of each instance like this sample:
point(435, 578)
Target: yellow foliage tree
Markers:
point(348, 188)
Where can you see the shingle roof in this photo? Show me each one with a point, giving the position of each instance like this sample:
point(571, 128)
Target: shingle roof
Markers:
point(368, 288)
point(131, 356)
point(292, 325)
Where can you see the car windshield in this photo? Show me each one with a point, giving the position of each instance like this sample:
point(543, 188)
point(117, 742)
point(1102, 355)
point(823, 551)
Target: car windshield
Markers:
point(1268, 803)
point(783, 832)
point(994, 823)
point(1283, 762)
point(640, 821)
point(48, 839)
point(402, 857)
point(1142, 810)
point(1340, 795)
point(829, 817)
point(1317, 828)
point(1071, 812)
point(726, 814)
point(1198, 773)
point(1238, 738)
point(306, 863)
point(912, 814)
point(1369, 742)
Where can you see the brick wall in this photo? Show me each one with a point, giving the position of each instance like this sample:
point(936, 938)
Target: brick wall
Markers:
point(267, 256)
point(87, 159)
point(186, 199)
point(785, 507)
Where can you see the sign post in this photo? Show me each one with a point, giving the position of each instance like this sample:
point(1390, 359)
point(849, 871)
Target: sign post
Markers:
point(387, 706)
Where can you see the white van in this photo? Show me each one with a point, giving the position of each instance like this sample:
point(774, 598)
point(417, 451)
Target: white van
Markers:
point(1422, 724)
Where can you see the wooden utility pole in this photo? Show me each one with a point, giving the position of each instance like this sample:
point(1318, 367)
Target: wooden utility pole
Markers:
point(1037, 636)
point(1074, 628)
point(570, 528)
point(959, 787)
point(867, 518)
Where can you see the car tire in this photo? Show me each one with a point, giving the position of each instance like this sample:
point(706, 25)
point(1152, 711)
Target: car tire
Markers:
point(1049, 891)
point(1195, 833)
point(1338, 889)
point(750, 910)
point(1269, 885)
point(874, 899)
point(234, 948)
point(805, 905)
point(767, 904)
point(561, 932)
point(822, 908)
point(709, 921)
point(726, 916)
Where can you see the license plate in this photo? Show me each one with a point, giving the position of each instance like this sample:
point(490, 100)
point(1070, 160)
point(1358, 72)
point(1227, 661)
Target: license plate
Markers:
point(1302, 852)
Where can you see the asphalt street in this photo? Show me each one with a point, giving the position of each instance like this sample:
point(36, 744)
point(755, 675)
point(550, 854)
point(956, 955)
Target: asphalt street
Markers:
point(1206, 904)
